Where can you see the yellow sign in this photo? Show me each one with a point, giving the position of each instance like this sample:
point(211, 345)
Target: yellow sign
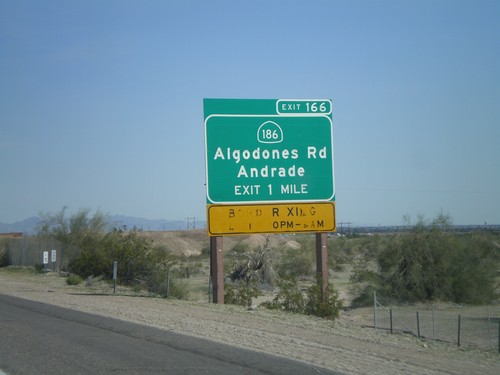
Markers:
point(226, 220)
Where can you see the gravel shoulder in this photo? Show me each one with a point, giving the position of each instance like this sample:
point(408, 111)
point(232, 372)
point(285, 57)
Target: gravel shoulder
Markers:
point(341, 346)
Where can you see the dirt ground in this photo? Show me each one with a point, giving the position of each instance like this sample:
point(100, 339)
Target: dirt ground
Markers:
point(344, 346)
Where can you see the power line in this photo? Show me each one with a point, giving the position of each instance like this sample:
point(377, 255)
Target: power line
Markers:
point(348, 223)
point(188, 219)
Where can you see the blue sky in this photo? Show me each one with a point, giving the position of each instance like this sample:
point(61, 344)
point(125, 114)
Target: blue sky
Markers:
point(101, 102)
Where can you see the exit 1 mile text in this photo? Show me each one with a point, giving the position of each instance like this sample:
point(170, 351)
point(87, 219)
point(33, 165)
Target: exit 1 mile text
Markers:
point(283, 189)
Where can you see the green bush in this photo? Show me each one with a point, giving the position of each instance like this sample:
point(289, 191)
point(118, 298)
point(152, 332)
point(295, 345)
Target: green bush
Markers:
point(73, 279)
point(241, 293)
point(178, 290)
point(431, 263)
point(230, 297)
point(295, 263)
point(329, 307)
point(135, 255)
point(157, 281)
point(290, 298)
point(4, 259)
point(137, 258)
point(39, 268)
point(364, 296)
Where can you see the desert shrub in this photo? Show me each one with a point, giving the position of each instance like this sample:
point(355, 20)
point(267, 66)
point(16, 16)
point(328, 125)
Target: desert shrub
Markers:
point(4, 259)
point(476, 264)
point(250, 265)
point(241, 293)
point(364, 296)
point(230, 297)
point(235, 257)
point(90, 262)
point(158, 281)
point(338, 261)
point(39, 268)
point(155, 282)
point(135, 256)
point(138, 261)
point(178, 290)
point(348, 248)
point(99, 248)
point(360, 270)
point(187, 266)
point(136, 288)
point(289, 296)
point(307, 241)
point(329, 307)
point(73, 279)
point(295, 263)
point(205, 250)
point(432, 263)
point(80, 230)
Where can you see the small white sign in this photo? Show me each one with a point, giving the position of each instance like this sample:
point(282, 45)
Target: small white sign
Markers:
point(53, 256)
point(45, 257)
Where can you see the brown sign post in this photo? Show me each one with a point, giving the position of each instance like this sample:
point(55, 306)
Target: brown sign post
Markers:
point(322, 263)
point(217, 268)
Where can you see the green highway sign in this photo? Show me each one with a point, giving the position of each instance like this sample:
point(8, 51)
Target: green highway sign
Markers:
point(268, 151)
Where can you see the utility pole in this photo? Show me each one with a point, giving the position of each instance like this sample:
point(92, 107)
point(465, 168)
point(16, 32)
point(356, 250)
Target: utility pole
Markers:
point(348, 227)
point(188, 219)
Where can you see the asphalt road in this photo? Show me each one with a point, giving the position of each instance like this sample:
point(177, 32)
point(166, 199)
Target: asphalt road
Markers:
point(37, 338)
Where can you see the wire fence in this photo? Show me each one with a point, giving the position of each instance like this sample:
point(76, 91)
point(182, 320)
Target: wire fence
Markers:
point(45, 253)
point(461, 325)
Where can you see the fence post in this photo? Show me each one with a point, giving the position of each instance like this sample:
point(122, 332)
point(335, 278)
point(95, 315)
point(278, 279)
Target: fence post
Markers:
point(458, 339)
point(489, 327)
point(390, 318)
point(433, 323)
point(129, 261)
point(375, 309)
point(115, 268)
point(418, 326)
point(168, 282)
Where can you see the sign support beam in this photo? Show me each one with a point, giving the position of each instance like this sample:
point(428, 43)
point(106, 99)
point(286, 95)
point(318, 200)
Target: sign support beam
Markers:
point(217, 269)
point(322, 263)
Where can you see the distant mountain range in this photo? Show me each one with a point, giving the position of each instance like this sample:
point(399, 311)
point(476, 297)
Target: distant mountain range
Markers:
point(29, 226)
